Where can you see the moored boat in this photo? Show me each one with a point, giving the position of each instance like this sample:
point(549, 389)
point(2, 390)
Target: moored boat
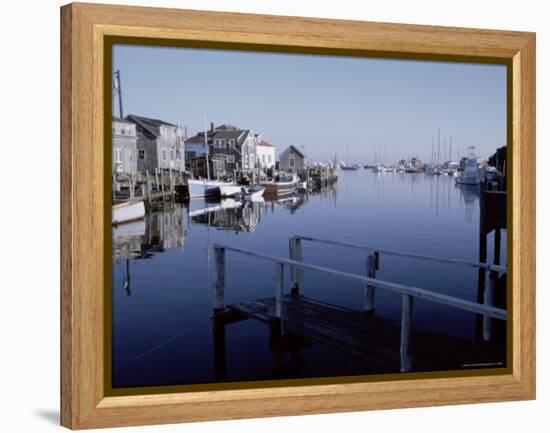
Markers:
point(470, 175)
point(281, 187)
point(205, 188)
point(127, 211)
point(230, 190)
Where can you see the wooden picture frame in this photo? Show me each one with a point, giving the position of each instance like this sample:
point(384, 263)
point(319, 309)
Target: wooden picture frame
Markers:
point(85, 28)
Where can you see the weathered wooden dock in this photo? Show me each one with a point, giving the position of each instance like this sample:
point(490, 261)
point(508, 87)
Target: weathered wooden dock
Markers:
point(375, 340)
point(383, 345)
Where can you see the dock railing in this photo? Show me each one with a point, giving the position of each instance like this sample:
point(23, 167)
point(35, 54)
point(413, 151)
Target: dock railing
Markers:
point(373, 264)
point(408, 292)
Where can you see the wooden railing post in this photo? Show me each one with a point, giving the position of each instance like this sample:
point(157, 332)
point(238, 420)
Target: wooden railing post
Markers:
point(406, 327)
point(219, 281)
point(279, 287)
point(295, 247)
point(372, 266)
point(489, 299)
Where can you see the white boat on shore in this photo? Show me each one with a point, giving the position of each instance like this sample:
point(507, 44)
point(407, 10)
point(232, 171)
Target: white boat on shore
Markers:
point(205, 188)
point(127, 211)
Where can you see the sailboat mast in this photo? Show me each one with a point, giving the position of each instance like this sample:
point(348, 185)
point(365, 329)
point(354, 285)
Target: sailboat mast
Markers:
point(438, 143)
point(206, 148)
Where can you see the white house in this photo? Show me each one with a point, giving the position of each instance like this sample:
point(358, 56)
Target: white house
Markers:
point(124, 147)
point(265, 153)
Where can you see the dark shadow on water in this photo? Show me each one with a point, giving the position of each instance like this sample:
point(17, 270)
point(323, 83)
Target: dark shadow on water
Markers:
point(50, 415)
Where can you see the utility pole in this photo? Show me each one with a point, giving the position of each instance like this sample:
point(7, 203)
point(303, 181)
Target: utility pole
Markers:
point(119, 88)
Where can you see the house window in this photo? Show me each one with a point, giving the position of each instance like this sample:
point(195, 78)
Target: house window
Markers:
point(230, 158)
point(171, 155)
point(269, 159)
point(122, 131)
point(141, 154)
point(231, 142)
point(119, 167)
point(178, 154)
point(291, 162)
point(263, 159)
point(164, 154)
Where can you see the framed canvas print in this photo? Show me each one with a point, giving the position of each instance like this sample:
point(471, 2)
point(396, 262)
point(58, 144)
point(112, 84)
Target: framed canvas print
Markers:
point(269, 216)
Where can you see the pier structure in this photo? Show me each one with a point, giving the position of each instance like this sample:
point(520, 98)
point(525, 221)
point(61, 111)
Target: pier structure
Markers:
point(492, 218)
point(381, 344)
point(153, 187)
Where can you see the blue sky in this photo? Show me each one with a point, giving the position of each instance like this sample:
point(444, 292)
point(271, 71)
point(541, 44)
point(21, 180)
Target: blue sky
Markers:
point(327, 104)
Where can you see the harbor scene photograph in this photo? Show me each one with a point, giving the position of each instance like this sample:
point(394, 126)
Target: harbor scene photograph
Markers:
point(285, 216)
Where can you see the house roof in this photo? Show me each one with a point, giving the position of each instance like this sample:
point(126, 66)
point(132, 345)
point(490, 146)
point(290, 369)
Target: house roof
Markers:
point(150, 125)
point(299, 151)
point(118, 119)
point(226, 127)
point(198, 138)
point(265, 143)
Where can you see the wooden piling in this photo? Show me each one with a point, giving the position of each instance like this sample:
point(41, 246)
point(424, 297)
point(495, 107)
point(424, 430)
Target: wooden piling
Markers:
point(372, 265)
point(406, 328)
point(489, 299)
point(295, 247)
point(279, 288)
point(219, 282)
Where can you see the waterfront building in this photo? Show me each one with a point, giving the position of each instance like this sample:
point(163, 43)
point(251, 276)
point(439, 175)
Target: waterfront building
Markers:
point(265, 153)
point(124, 147)
point(159, 144)
point(235, 147)
point(293, 159)
point(195, 147)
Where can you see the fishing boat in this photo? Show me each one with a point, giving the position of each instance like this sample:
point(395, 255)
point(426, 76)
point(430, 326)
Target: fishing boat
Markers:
point(281, 187)
point(434, 170)
point(127, 211)
point(254, 193)
point(346, 166)
point(205, 188)
point(470, 175)
point(230, 190)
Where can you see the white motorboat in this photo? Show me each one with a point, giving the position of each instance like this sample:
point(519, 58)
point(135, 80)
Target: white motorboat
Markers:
point(281, 188)
point(205, 188)
point(470, 175)
point(230, 190)
point(127, 211)
point(254, 193)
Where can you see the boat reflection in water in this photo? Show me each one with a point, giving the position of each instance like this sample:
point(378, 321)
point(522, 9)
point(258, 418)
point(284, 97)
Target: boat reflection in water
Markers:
point(161, 230)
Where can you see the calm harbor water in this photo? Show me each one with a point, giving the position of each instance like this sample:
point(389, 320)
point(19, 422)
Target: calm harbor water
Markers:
point(161, 293)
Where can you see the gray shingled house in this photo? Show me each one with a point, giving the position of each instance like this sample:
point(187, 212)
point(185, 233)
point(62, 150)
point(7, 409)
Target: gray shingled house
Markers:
point(159, 144)
point(293, 159)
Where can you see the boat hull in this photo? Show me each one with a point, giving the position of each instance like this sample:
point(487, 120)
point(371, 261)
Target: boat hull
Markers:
point(205, 188)
point(230, 190)
point(467, 180)
point(127, 211)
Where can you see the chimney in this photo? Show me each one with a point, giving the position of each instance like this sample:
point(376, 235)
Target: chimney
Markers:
point(211, 126)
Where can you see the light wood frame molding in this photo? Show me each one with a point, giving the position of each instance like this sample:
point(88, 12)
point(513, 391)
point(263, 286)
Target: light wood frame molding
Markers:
point(84, 403)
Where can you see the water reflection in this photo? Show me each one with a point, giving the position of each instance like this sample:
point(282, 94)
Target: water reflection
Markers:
point(163, 229)
point(171, 289)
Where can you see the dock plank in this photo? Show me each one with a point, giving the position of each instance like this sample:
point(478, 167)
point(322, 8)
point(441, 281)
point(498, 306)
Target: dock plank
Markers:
point(373, 339)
